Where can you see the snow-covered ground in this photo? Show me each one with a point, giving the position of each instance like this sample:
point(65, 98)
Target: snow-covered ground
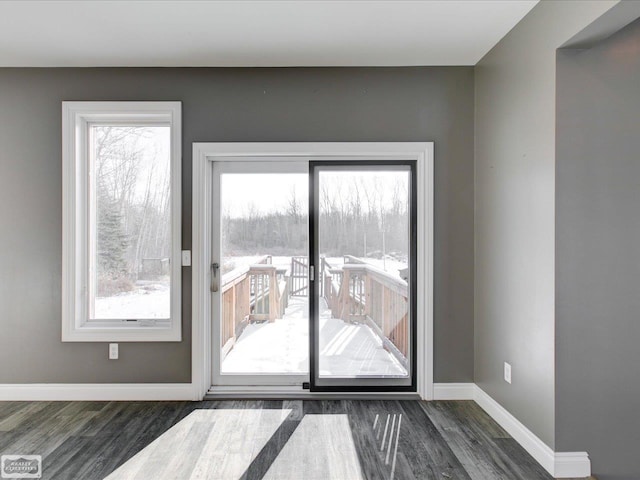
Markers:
point(278, 347)
point(150, 301)
point(346, 350)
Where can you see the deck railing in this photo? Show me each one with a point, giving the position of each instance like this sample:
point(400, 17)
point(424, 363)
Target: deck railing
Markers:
point(246, 297)
point(354, 292)
point(360, 292)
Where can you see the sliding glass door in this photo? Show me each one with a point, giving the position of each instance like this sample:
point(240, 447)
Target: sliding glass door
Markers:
point(363, 240)
point(260, 278)
point(313, 274)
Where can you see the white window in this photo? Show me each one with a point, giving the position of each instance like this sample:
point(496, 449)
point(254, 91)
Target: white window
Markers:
point(121, 221)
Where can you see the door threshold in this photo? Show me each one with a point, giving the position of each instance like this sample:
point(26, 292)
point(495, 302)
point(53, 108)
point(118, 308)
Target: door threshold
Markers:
point(296, 392)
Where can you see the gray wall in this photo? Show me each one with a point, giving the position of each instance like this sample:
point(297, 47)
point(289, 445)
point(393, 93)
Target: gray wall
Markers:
point(598, 254)
point(232, 105)
point(515, 211)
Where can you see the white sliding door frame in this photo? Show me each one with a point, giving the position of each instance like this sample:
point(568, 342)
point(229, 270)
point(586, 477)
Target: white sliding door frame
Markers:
point(205, 153)
point(231, 379)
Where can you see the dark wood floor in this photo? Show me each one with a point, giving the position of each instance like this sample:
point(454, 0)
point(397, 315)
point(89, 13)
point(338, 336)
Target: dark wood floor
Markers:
point(245, 440)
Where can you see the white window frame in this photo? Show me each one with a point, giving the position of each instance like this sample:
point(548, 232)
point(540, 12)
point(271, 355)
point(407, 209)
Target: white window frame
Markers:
point(201, 323)
point(77, 117)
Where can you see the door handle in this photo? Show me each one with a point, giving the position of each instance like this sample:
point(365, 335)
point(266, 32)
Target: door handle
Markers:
point(214, 277)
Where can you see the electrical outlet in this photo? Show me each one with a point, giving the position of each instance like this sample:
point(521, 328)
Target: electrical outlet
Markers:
point(113, 351)
point(186, 258)
point(507, 372)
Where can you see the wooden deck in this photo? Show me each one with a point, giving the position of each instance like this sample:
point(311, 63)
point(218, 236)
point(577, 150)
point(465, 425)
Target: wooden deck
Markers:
point(364, 320)
point(346, 349)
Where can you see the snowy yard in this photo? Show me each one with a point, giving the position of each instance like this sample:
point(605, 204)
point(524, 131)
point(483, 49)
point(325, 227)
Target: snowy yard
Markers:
point(148, 301)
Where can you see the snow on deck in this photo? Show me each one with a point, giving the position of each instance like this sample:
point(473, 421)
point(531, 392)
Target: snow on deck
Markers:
point(346, 350)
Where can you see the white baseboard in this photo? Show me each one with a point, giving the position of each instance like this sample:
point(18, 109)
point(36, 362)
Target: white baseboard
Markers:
point(97, 391)
point(572, 465)
point(558, 464)
point(454, 391)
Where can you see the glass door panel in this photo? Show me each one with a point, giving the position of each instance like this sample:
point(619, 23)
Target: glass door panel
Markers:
point(261, 306)
point(364, 241)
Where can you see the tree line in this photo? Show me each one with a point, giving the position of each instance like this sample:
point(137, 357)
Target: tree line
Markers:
point(353, 220)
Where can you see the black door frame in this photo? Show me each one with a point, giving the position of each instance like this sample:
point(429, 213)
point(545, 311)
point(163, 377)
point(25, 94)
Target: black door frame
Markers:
point(374, 384)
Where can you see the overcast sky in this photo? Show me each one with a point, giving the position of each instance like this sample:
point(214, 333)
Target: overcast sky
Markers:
point(271, 192)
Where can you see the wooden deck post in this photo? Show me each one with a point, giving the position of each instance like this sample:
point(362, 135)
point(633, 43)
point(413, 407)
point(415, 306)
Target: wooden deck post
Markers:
point(274, 293)
point(367, 294)
point(345, 294)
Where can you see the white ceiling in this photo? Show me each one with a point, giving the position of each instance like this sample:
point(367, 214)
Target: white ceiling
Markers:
point(253, 33)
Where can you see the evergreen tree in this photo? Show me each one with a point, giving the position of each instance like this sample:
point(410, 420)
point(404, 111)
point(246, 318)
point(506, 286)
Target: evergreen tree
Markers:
point(112, 241)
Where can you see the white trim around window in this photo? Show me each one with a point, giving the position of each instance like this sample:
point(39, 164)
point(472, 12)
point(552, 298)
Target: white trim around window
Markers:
point(77, 198)
point(203, 156)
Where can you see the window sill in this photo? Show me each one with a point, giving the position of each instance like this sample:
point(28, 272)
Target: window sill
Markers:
point(132, 333)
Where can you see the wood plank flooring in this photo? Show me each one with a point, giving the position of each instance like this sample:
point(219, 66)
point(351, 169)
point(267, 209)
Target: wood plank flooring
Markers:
point(274, 440)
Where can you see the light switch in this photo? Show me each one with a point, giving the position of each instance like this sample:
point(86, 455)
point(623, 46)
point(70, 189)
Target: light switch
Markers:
point(507, 372)
point(186, 258)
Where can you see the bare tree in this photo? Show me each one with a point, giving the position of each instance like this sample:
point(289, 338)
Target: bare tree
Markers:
point(133, 200)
